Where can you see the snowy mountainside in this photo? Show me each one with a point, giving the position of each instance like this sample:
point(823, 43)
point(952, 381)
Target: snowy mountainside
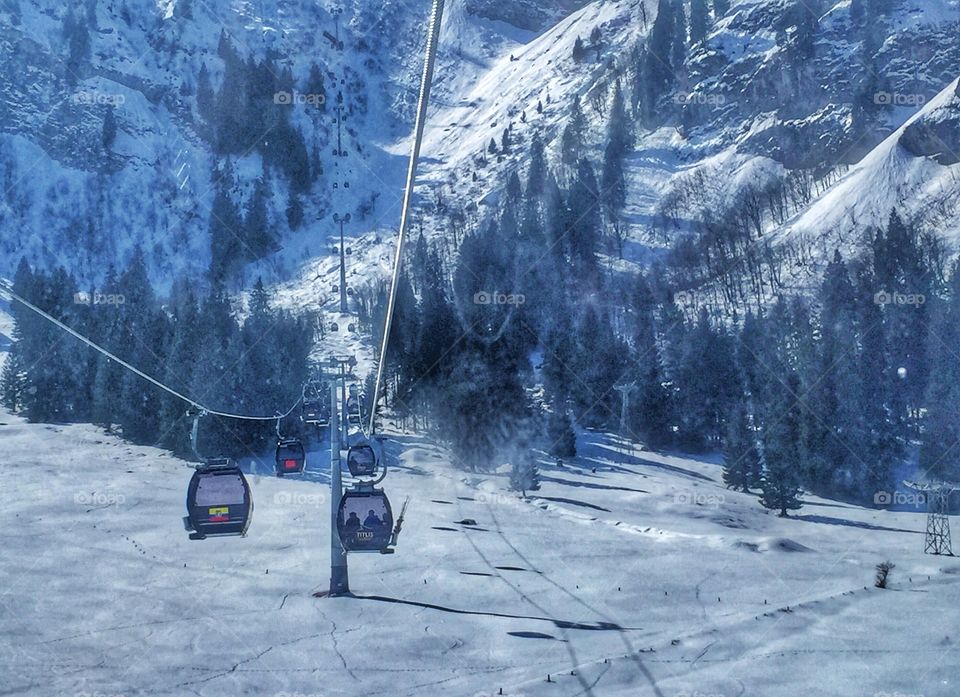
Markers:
point(69, 200)
point(914, 171)
point(746, 112)
point(750, 108)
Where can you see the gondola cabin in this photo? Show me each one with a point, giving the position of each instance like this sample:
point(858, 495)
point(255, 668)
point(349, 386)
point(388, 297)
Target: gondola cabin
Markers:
point(310, 411)
point(362, 460)
point(314, 411)
point(218, 501)
point(354, 416)
point(291, 457)
point(365, 520)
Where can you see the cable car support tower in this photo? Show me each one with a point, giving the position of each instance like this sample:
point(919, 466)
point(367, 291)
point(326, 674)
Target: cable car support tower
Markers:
point(937, 538)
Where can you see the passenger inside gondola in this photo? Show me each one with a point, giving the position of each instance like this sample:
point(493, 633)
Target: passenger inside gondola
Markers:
point(352, 522)
point(371, 522)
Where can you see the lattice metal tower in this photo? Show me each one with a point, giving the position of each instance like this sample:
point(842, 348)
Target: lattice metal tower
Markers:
point(937, 538)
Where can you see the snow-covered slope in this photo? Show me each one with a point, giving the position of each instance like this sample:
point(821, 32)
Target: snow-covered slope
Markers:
point(896, 175)
point(629, 574)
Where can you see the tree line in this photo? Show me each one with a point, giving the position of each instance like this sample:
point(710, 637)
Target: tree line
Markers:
point(194, 343)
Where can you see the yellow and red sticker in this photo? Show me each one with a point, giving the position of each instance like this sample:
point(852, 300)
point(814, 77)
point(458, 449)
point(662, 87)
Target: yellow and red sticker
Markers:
point(219, 515)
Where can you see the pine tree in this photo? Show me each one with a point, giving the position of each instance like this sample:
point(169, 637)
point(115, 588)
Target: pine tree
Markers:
point(705, 383)
point(651, 414)
point(614, 189)
point(316, 88)
point(780, 488)
point(678, 49)
point(903, 276)
point(571, 141)
point(871, 437)
point(579, 50)
point(226, 226)
point(294, 211)
point(440, 329)
point(583, 225)
point(537, 170)
point(183, 349)
point(740, 456)
point(514, 190)
point(138, 406)
point(524, 474)
point(555, 217)
point(76, 32)
point(830, 466)
point(560, 434)
point(599, 365)
point(699, 20)
point(655, 74)
point(205, 95)
point(13, 379)
point(109, 131)
point(259, 238)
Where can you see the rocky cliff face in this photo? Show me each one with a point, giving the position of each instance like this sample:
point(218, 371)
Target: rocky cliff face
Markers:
point(532, 15)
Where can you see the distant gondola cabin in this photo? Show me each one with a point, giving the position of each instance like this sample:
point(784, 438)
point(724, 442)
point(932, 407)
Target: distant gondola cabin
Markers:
point(361, 460)
point(290, 457)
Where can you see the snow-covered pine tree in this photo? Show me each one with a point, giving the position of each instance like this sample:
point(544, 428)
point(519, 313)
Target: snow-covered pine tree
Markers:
point(13, 378)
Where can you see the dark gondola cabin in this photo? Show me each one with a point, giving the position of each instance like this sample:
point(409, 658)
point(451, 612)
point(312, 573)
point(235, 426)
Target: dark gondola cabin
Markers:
point(315, 411)
point(361, 460)
point(365, 520)
point(218, 501)
point(291, 458)
point(354, 416)
point(311, 411)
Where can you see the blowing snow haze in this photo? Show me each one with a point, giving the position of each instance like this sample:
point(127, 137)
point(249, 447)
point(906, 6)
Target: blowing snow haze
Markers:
point(479, 347)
